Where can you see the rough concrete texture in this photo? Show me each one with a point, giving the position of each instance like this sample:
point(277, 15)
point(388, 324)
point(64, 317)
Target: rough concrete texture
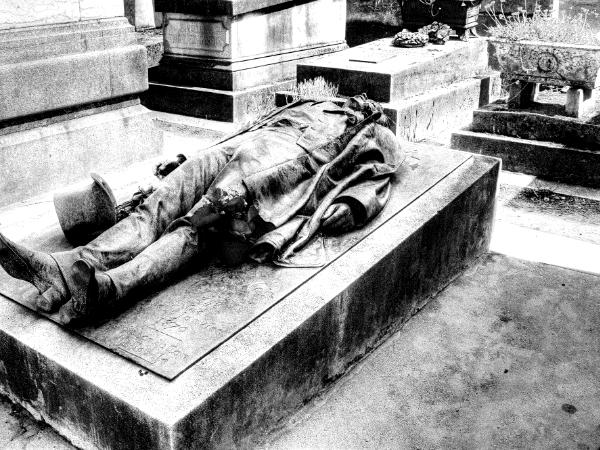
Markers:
point(553, 212)
point(506, 357)
point(20, 431)
point(548, 222)
point(386, 73)
point(545, 159)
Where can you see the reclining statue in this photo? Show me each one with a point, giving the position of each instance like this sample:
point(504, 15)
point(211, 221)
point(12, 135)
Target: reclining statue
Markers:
point(308, 166)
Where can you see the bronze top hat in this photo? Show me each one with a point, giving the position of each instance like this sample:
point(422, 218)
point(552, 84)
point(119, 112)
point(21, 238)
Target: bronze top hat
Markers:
point(85, 211)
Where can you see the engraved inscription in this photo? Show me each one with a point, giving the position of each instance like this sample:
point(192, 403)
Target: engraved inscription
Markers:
point(145, 346)
point(209, 35)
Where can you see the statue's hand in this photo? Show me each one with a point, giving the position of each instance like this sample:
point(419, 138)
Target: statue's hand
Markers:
point(338, 218)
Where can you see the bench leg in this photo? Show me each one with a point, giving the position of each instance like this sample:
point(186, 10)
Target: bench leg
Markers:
point(579, 101)
point(522, 94)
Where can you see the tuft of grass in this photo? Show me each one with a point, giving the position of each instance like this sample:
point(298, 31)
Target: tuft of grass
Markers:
point(315, 89)
point(543, 26)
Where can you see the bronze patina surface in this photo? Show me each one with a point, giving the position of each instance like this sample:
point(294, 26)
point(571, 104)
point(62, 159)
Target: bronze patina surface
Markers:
point(173, 328)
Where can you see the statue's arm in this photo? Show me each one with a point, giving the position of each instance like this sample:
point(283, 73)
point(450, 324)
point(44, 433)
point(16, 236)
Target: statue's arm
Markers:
point(360, 203)
point(363, 201)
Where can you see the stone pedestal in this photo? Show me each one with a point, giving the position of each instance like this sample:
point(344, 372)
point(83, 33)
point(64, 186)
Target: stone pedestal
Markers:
point(67, 69)
point(225, 55)
point(426, 92)
point(218, 358)
point(78, 52)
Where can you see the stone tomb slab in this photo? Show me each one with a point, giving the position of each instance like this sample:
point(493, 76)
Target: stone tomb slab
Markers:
point(182, 323)
point(250, 344)
point(387, 73)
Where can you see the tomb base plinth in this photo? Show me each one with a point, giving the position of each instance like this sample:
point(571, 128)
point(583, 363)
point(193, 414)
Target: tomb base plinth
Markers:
point(233, 50)
point(46, 69)
point(217, 358)
point(387, 73)
point(426, 92)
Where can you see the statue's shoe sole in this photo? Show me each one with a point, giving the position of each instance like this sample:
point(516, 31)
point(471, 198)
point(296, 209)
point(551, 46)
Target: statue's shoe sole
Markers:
point(17, 266)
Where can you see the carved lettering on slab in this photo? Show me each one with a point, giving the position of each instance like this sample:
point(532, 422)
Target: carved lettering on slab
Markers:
point(209, 35)
point(144, 344)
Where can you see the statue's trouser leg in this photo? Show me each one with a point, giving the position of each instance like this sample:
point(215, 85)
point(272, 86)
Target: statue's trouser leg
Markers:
point(129, 237)
point(157, 263)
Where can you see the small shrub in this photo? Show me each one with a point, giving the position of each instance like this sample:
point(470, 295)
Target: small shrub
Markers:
point(542, 26)
point(315, 89)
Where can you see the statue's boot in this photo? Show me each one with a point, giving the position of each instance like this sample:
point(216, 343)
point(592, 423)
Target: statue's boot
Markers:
point(92, 291)
point(37, 268)
point(95, 292)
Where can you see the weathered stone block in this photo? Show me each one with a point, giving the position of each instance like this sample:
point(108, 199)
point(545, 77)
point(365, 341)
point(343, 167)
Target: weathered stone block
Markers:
point(435, 114)
point(53, 67)
point(45, 155)
point(313, 325)
point(299, 26)
point(234, 76)
point(387, 73)
point(228, 106)
point(497, 119)
point(550, 63)
point(548, 160)
point(228, 51)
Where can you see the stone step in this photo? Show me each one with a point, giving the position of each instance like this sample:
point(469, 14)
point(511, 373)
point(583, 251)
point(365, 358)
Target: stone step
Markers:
point(279, 335)
point(496, 118)
point(545, 159)
point(388, 74)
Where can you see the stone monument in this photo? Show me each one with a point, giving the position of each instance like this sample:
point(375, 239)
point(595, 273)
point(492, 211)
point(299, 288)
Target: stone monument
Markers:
point(61, 54)
point(222, 57)
point(70, 74)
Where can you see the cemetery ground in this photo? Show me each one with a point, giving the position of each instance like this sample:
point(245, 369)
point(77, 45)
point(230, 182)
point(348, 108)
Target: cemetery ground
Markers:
point(506, 356)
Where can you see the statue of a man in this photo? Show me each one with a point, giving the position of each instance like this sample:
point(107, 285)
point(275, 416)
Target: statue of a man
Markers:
point(307, 166)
